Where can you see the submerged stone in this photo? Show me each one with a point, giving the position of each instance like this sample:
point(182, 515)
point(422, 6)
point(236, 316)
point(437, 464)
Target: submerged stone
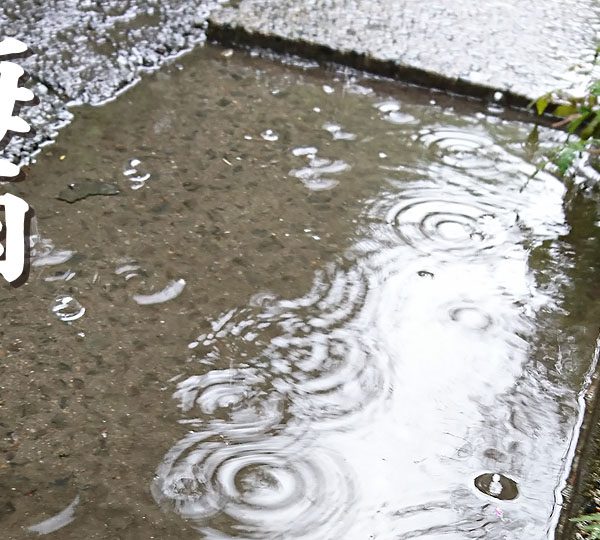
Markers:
point(497, 486)
point(86, 188)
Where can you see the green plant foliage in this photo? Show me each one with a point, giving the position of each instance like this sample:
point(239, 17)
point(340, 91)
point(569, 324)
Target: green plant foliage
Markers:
point(590, 524)
point(542, 103)
point(595, 88)
point(565, 156)
point(580, 117)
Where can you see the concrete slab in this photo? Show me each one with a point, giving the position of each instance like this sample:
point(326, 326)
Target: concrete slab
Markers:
point(521, 47)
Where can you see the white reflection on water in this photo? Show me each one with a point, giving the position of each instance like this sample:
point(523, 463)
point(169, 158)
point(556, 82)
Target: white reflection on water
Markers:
point(367, 407)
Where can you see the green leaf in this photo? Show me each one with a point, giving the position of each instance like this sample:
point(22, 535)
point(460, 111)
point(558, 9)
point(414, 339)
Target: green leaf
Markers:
point(566, 156)
point(533, 138)
point(590, 129)
point(595, 88)
point(542, 104)
point(565, 110)
point(564, 160)
point(573, 125)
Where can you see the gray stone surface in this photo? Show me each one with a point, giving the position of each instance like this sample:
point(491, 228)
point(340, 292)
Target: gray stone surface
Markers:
point(86, 51)
point(526, 47)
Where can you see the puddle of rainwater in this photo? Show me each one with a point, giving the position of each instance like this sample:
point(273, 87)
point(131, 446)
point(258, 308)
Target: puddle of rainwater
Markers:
point(367, 330)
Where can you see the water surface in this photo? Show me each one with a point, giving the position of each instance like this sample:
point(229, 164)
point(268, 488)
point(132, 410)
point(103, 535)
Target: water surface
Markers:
point(319, 307)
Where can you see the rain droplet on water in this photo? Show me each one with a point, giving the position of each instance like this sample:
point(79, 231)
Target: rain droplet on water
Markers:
point(46, 255)
point(60, 276)
point(497, 486)
point(56, 522)
point(316, 175)
point(391, 111)
point(136, 175)
point(337, 133)
point(304, 151)
point(269, 135)
point(67, 309)
point(388, 106)
point(400, 118)
point(128, 269)
point(172, 290)
point(471, 317)
point(43, 251)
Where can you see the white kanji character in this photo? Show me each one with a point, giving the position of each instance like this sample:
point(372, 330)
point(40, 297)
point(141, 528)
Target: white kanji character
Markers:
point(10, 93)
point(15, 210)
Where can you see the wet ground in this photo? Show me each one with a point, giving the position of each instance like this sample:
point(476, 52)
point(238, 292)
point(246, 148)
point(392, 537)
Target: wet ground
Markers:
point(87, 51)
point(301, 305)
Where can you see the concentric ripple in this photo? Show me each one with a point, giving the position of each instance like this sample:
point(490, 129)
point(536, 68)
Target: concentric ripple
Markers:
point(471, 316)
point(467, 149)
point(273, 488)
point(321, 366)
point(335, 297)
point(443, 225)
point(316, 176)
point(454, 139)
point(330, 377)
point(395, 365)
point(235, 402)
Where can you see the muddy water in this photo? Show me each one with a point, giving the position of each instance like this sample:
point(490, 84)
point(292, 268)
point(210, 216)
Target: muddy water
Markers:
point(317, 308)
